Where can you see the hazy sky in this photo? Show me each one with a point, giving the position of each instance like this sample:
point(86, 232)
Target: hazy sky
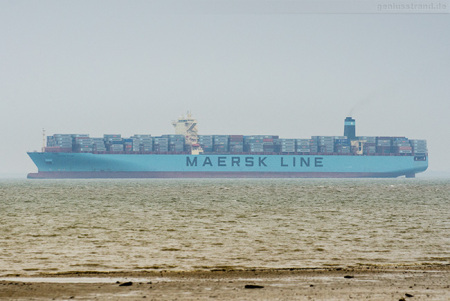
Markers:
point(134, 66)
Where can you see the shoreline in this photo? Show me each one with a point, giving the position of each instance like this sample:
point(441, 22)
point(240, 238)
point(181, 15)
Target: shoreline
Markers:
point(239, 270)
point(371, 283)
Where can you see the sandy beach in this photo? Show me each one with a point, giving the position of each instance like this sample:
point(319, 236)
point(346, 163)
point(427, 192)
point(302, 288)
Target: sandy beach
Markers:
point(368, 283)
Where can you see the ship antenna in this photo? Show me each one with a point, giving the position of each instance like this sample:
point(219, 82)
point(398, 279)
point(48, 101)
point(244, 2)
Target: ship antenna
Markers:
point(43, 140)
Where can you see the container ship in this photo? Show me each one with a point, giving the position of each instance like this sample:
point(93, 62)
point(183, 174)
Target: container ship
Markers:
point(186, 154)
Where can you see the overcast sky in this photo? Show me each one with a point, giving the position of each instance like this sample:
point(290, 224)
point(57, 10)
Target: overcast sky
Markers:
point(134, 66)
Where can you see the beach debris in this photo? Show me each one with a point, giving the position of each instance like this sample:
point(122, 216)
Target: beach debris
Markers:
point(349, 276)
point(129, 283)
point(409, 295)
point(251, 286)
point(401, 299)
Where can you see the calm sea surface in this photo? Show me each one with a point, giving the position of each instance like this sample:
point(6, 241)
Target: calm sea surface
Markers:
point(128, 225)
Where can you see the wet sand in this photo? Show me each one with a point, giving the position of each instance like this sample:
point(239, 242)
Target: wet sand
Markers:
point(368, 283)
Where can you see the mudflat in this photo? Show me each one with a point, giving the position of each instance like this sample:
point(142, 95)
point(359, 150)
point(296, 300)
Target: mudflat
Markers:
point(368, 283)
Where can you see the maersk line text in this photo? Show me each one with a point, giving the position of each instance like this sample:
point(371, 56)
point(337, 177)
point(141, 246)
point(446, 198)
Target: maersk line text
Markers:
point(226, 161)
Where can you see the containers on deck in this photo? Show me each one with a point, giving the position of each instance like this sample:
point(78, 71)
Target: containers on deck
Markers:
point(206, 142)
point(340, 145)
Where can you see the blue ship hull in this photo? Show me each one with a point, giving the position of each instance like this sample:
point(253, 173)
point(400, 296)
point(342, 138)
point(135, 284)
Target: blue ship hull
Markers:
point(91, 165)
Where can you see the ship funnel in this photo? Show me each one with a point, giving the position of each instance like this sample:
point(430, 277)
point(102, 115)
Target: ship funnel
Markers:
point(349, 128)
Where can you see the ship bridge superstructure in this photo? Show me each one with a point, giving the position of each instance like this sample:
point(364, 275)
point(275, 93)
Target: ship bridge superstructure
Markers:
point(187, 126)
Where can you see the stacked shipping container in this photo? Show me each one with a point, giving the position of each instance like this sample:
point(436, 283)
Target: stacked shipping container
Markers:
point(304, 145)
point(362, 145)
point(325, 144)
point(236, 143)
point(342, 145)
point(419, 146)
point(384, 145)
point(145, 142)
point(401, 146)
point(254, 144)
point(113, 142)
point(161, 144)
point(221, 143)
point(206, 142)
point(176, 143)
point(59, 142)
point(287, 145)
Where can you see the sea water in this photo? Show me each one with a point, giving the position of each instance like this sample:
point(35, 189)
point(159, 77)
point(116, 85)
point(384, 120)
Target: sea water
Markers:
point(53, 226)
